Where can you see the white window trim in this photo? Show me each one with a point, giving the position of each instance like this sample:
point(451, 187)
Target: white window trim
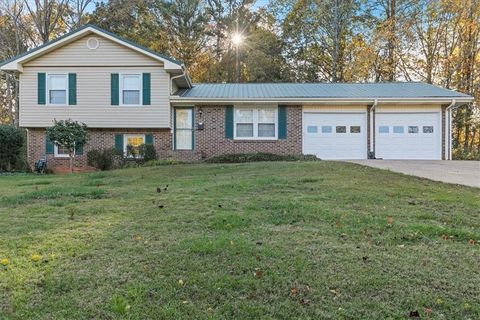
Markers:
point(120, 93)
point(60, 155)
point(255, 122)
point(125, 140)
point(47, 91)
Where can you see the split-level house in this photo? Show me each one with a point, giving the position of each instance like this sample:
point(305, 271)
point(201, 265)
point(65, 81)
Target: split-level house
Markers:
point(129, 95)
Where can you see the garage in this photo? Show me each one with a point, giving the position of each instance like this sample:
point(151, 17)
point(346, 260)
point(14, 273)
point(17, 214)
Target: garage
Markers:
point(414, 135)
point(338, 135)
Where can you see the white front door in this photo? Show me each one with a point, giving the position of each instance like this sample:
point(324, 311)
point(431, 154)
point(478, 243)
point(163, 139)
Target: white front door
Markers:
point(408, 136)
point(335, 135)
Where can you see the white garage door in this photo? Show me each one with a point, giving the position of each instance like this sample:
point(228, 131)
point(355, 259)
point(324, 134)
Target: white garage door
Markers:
point(335, 135)
point(408, 136)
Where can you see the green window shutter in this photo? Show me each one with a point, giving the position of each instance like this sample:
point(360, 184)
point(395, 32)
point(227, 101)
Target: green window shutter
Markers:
point(41, 87)
point(282, 122)
point(229, 122)
point(149, 139)
point(119, 143)
point(48, 146)
point(79, 150)
point(146, 88)
point(72, 89)
point(114, 89)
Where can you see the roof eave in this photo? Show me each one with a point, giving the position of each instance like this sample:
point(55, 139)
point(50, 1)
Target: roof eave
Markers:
point(179, 99)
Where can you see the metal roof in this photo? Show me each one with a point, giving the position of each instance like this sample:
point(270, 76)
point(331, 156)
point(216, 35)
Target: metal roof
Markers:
point(401, 90)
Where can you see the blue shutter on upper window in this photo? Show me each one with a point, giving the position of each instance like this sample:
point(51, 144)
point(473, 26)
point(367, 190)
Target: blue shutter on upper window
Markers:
point(41, 87)
point(114, 89)
point(72, 89)
point(146, 86)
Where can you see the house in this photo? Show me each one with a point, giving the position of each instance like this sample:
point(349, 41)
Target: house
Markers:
point(129, 95)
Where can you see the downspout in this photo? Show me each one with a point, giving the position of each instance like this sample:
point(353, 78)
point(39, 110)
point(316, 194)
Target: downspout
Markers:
point(448, 130)
point(372, 129)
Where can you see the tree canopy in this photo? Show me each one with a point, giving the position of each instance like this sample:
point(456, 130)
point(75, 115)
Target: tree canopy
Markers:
point(435, 41)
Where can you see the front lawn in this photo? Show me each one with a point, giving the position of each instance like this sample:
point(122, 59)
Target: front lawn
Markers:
point(283, 240)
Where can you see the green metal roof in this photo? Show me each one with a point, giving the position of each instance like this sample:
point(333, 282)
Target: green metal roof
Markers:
point(410, 90)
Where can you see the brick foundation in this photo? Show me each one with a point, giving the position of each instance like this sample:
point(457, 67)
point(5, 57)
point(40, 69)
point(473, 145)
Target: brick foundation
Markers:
point(209, 142)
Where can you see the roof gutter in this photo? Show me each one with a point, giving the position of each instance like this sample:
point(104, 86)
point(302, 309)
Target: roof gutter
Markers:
point(372, 126)
point(448, 129)
point(183, 74)
point(180, 99)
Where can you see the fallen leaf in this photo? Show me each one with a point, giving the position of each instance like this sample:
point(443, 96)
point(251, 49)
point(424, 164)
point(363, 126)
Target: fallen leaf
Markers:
point(258, 273)
point(335, 292)
point(4, 262)
point(137, 237)
point(414, 314)
point(439, 301)
point(35, 257)
point(180, 282)
point(427, 310)
point(293, 291)
point(390, 220)
point(472, 241)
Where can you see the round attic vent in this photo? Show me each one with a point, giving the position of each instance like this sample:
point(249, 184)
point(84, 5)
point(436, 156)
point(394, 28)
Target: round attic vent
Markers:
point(92, 43)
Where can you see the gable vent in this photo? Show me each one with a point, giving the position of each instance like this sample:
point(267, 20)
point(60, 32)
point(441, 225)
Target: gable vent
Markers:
point(92, 43)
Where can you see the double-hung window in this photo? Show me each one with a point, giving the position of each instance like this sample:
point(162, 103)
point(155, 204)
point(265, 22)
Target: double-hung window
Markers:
point(132, 143)
point(57, 89)
point(255, 123)
point(61, 151)
point(131, 88)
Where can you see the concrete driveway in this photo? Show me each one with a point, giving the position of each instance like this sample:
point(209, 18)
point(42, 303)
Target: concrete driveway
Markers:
point(458, 172)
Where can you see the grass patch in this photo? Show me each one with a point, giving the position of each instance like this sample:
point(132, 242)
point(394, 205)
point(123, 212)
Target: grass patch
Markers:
point(269, 240)
point(52, 193)
point(258, 157)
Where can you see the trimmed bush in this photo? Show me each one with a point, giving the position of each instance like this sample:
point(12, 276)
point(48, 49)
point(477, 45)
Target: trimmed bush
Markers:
point(260, 156)
point(105, 159)
point(11, 143)
point(148, 152)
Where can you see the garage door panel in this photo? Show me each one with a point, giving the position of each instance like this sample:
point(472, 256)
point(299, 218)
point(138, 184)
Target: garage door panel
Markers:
point(333, 145)
point(420, 145)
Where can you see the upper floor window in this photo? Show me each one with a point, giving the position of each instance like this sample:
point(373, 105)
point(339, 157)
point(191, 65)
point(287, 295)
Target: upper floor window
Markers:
point(131, 88)
point(57, 88)
point(255, 123)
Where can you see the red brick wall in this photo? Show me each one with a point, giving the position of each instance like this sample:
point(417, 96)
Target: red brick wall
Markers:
point(211, 140)
point(208, 142)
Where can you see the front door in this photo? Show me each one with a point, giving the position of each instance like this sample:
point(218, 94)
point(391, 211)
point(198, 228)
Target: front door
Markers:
point(183, 129)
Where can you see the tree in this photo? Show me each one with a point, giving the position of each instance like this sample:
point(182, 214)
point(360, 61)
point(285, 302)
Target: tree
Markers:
point(68, 134)
point(11, 142)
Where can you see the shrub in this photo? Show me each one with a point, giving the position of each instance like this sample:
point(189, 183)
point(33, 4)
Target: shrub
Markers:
point(260, 156)
point(460, 154)
point(142, 154)
point(11, 142)
point(105, 159)
point(148, 152)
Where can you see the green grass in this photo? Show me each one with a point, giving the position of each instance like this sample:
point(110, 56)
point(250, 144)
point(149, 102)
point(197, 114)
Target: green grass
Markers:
point(309, 240)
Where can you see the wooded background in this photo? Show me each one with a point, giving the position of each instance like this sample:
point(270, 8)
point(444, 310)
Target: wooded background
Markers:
point(434, 41)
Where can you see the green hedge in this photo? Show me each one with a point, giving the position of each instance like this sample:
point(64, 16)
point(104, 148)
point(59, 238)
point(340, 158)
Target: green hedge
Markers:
point(259, 156)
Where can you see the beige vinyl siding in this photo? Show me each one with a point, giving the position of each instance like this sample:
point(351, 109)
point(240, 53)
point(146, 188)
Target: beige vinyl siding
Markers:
point(108, 53)
point(408, 108)
point(93, 99)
